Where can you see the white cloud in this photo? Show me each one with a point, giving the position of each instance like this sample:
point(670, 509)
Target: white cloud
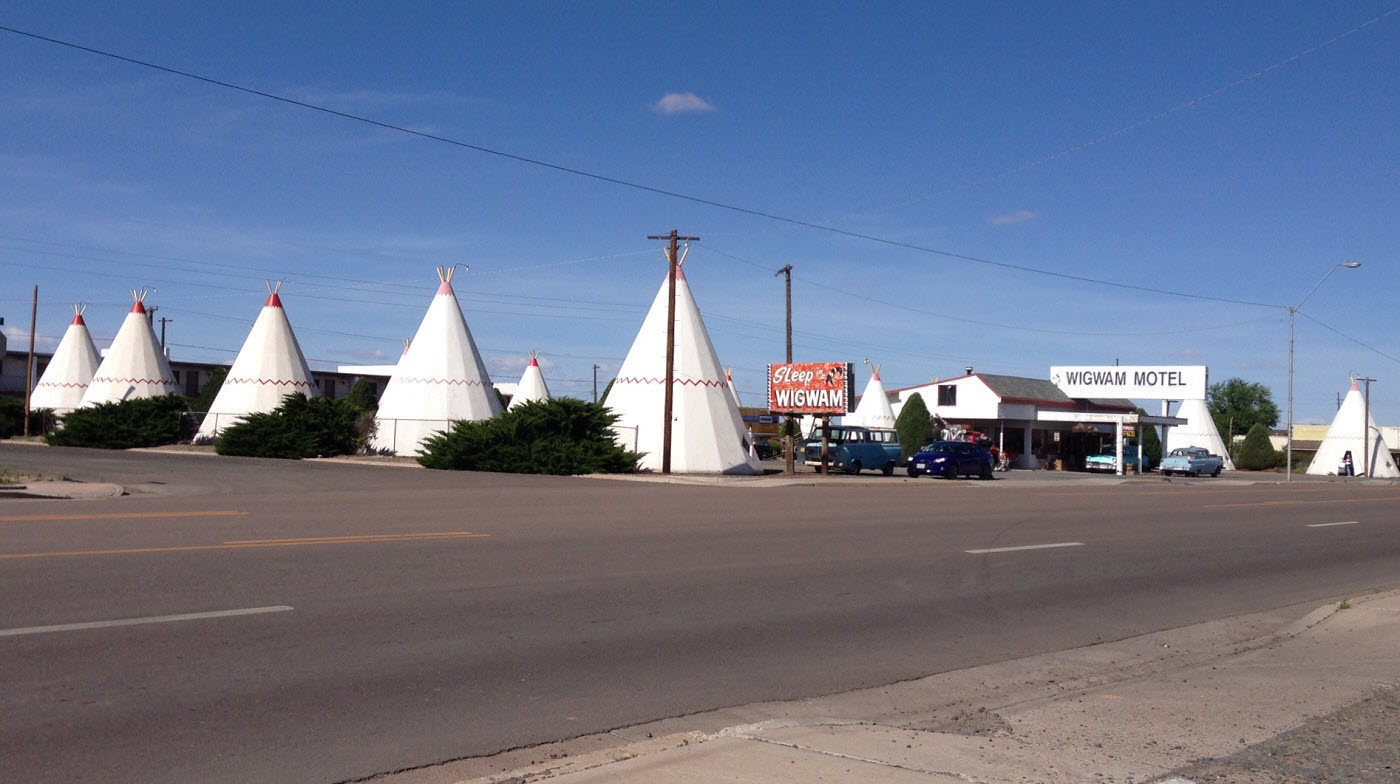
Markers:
point(1186, 353)
point(682, 103)
point(1011, 219)
point(18, 338)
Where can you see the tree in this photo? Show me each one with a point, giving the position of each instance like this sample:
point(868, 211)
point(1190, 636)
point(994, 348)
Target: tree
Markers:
point(201, 403)
point(1237, 406)
point(361, 397)
point(1257, 453)
point(1151, 443)
point(914, 425)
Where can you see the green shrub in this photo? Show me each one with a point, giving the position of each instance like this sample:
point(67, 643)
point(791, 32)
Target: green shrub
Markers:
point(561, 436)
point(139, 422)
point(201, 403)
point(914, 425)
point(299, 427)
point(1257, 453)
point(11, 416)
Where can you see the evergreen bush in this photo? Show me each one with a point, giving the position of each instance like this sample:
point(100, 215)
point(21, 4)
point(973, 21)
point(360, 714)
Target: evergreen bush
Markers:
point(128, 424)
point(914, 425)
point(201, 403)
point(1257, 453)
point(561, 436)
point(11, 416)
point(299, 427)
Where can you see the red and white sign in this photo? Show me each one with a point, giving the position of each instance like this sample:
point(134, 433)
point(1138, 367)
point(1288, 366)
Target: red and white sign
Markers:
point(821, 388)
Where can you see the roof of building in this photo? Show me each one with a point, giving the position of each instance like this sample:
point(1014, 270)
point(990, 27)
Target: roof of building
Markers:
point(1020, 389)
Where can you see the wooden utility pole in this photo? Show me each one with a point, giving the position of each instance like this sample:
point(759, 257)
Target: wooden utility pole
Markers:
point(163, 322)
point(674, 264)
point(788, 447)
point(29, 363)
point(595, 383)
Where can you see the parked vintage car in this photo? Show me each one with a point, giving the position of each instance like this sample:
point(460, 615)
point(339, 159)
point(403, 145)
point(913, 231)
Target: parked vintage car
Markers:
point(1192, 461)
point(951, 459)
point(1107, 460)
point(766, 447)
point(854, 449)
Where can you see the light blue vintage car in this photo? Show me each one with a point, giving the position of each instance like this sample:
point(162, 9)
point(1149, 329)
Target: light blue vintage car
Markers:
point(1107, 460)
point(1192, 461)
point(853, 449)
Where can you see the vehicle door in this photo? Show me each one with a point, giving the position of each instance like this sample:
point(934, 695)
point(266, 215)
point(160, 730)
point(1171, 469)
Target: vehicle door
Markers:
point(963, 455)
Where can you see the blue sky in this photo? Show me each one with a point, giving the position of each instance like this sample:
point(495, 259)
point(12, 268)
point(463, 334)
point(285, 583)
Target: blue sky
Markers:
point(1228, 150)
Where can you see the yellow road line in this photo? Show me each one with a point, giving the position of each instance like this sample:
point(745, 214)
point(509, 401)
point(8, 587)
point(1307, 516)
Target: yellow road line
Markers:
point(118, 516)
point(362, 538)
point(1312, 501)
point(243, 545)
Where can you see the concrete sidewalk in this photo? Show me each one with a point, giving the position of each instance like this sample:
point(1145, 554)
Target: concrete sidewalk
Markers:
point(1129, 711)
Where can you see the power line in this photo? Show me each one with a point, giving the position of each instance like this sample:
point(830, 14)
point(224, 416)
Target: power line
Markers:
point(1129, 128)
point(977, 322)
point(1333, 329)
point(625, 183)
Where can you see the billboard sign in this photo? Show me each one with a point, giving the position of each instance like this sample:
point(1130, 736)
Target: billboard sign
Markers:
point(1142, 382)
point(818, 388)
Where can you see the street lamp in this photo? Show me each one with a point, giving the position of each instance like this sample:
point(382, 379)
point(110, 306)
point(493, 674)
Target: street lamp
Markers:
point(1293, 311)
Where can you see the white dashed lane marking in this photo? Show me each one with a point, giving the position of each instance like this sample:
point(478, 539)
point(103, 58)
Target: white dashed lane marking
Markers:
point(1329, 525)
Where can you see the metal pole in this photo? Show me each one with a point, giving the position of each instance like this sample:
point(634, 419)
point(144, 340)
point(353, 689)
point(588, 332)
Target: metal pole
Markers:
point(1288, 471)
point(789, 461)
point(595, 383)
point(29, 363)
point(1366, 424)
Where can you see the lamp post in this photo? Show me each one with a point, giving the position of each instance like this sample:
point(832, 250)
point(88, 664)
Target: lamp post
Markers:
point(1292, 312)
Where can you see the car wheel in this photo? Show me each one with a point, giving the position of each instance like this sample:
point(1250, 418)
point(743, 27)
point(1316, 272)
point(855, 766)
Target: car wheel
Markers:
point(986, 471)
point(853, 467)
point(1165, 472)
point(1216, 472)
point(912, 473)
point(888, 470)
point(951, 472)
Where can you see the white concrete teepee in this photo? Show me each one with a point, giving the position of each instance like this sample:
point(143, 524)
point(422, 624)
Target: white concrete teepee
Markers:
point(706, 429)
point(1199, 430)
point(70, 369)
point(531, 386)
point(733, 391)
point(269, 367)
point(1345, 436)
point(440, 379)
point(135, 365)
point(874, 409)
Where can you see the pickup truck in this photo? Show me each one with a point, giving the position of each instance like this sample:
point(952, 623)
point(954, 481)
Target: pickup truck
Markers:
point(854, 449)
point(1192, 461)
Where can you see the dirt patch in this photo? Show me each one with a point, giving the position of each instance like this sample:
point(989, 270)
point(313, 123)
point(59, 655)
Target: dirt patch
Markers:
point(1355, 745)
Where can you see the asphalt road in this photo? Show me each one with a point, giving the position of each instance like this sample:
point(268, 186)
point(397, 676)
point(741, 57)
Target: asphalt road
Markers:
point(441, 615)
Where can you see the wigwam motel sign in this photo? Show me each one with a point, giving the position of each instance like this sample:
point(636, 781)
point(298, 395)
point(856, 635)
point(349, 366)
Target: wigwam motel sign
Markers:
point(1143, 382)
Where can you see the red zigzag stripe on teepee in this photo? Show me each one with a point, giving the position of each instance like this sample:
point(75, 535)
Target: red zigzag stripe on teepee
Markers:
point(160, 381)
point(64, 384)
point(273, 381)
point(448, 381)
point(686, 381)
